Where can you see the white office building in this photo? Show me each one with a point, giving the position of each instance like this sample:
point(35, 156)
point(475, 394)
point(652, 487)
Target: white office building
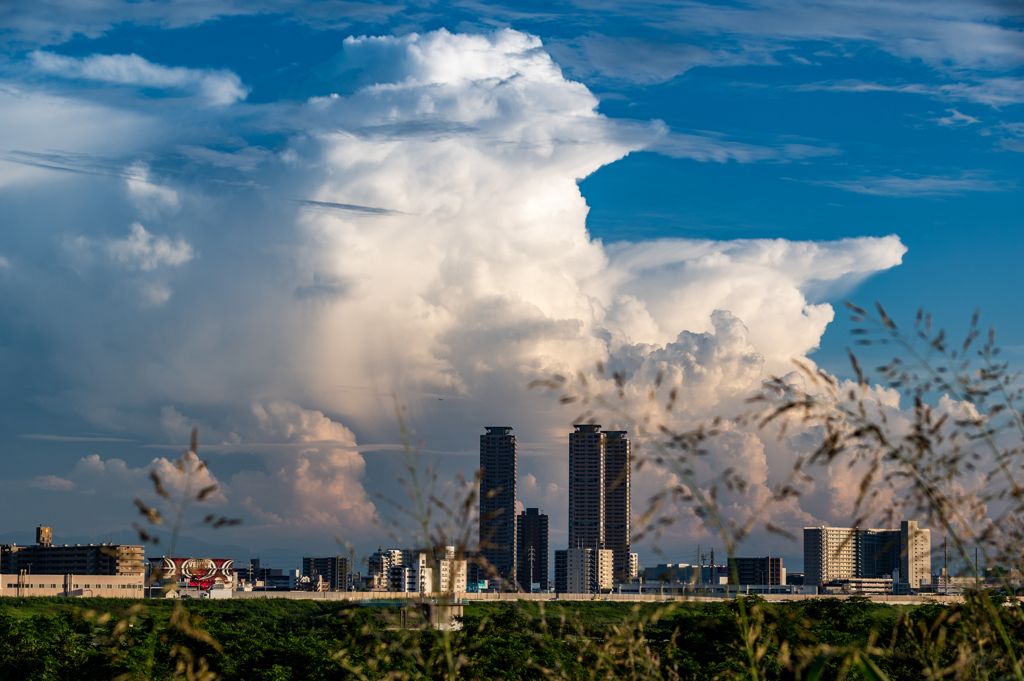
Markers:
point(589, 570)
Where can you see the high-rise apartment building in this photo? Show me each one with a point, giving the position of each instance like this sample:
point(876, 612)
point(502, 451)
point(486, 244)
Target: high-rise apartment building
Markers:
point(831, 553)
point(532, 549)
point(586, 487)
point(915, 554)
point(634, 566)
point(498, 500)
point(617, 469)
point(600, 465)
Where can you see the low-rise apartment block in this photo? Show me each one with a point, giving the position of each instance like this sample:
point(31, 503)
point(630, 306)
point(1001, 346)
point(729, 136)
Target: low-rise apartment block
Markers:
point(47, 558)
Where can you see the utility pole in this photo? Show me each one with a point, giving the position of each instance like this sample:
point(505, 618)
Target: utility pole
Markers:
point(529, 552)
point(700, 562)
point(945, 567)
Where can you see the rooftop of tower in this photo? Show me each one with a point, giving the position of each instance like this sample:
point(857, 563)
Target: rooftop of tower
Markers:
point(498, 430)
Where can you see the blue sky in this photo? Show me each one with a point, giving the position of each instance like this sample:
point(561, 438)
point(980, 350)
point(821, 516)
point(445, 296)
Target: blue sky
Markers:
point(207, 125)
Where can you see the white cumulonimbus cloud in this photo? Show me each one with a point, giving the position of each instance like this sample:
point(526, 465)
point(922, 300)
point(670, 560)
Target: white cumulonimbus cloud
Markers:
point(421, 232)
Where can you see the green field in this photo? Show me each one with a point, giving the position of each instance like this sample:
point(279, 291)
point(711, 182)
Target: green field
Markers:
point(84, 639)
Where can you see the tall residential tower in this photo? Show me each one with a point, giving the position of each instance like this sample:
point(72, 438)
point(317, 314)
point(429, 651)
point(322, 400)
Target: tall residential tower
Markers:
point(599, 493)
point(617, 468)
point(498, 500)
point(586, 487)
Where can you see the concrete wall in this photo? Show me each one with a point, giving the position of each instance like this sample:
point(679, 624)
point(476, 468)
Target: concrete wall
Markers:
point(627, 598)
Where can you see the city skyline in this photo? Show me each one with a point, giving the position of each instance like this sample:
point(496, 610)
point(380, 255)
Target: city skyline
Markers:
point(320, 232)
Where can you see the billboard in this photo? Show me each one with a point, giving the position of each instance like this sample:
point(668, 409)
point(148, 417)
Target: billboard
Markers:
point(195, 572)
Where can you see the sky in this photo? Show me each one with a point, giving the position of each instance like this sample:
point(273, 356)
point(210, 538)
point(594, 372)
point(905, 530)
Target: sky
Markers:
point(265, 218)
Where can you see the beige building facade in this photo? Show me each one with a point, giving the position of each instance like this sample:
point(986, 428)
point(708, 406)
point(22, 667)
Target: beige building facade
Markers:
point(80, 586)
point(915, 554)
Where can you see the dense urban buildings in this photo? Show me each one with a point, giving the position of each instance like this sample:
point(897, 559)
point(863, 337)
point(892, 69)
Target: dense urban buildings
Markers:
point(686, 574)
point(834, 554)
point(418, 571)
point(498, 500)
point(258, 576)
point(47, 558)
point(381, 561)
point(412, 575)
point(532, 549)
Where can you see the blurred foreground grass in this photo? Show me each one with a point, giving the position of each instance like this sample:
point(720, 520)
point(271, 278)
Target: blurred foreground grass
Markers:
point(54, 638)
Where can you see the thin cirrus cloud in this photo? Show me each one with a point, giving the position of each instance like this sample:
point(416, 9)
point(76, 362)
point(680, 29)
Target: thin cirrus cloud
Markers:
point(955, 119)
point(717, 148)
point(637, 60)
point(994, 92)
point(898, 186)
point(948, 36)
point(969, 44)
point(72, 438)
point(215, 86)
point(60, 20)
point(1011, 134)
